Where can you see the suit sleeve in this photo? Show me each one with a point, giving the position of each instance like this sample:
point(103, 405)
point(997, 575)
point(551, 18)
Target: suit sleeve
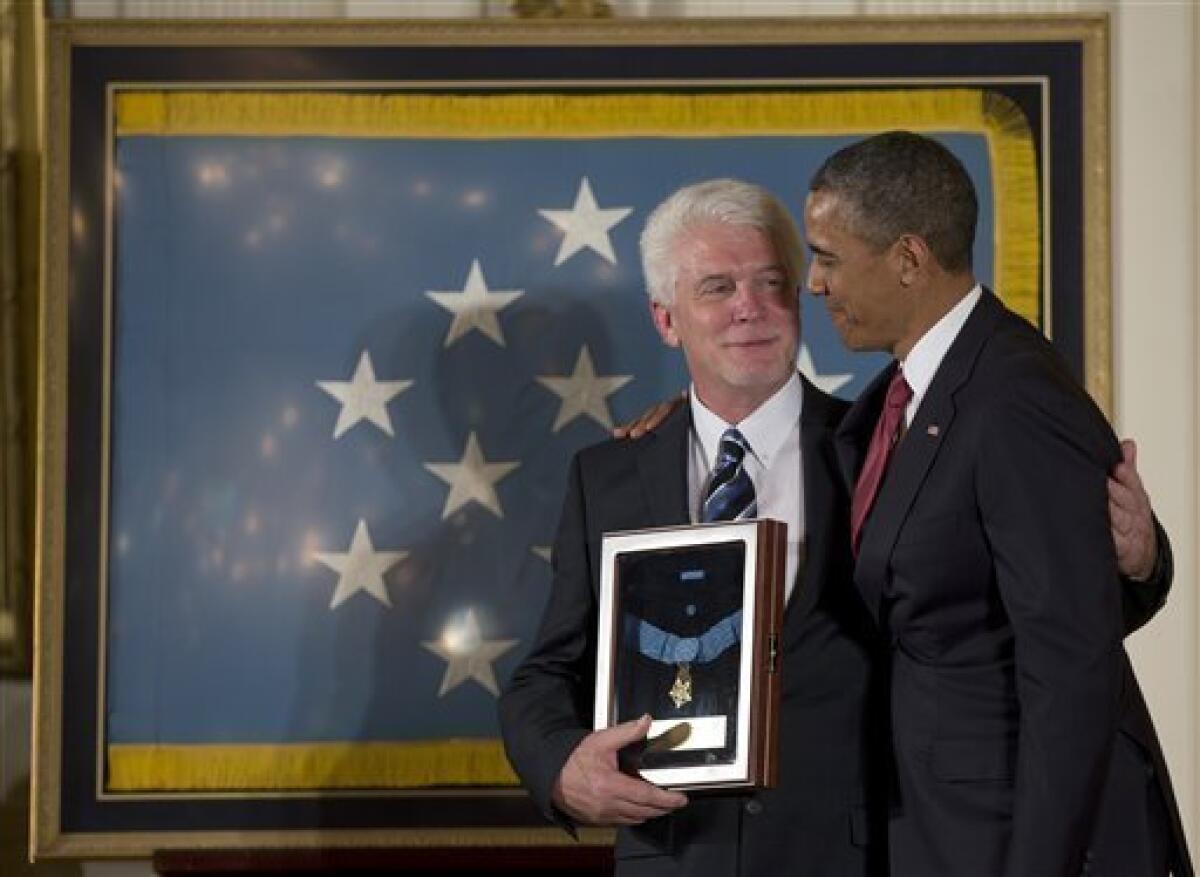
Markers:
point(1042, 482)
point(546, 708)
point(1140, 601)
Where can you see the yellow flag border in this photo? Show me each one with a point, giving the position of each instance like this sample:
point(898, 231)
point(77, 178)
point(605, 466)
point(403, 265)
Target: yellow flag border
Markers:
point(282, 767)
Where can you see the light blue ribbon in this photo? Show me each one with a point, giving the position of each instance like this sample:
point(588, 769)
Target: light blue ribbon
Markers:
point(656, 644)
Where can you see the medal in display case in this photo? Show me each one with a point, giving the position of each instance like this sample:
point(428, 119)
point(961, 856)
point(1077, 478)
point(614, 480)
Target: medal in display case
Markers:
point(689, 634)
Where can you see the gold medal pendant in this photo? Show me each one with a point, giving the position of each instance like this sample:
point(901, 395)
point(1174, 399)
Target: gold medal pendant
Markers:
point(681, 691)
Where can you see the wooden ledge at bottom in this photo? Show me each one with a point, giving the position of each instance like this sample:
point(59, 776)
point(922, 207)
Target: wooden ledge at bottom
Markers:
point(591, 861)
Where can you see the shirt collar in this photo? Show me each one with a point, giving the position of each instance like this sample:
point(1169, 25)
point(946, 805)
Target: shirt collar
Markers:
point(927, 354)
point(765, 430)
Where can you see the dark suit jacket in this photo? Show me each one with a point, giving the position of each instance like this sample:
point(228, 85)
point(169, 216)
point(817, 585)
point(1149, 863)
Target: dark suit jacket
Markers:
point(816, 819)
point(988, 561)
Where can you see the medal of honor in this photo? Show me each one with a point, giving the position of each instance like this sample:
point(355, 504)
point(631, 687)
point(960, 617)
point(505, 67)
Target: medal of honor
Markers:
point(681, 690)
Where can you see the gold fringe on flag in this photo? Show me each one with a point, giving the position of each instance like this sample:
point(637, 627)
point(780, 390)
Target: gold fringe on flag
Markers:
point(1018, 244)
point(307, 766)
point(278, 113)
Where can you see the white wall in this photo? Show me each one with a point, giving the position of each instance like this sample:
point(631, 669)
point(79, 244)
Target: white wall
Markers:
point(1155, 206)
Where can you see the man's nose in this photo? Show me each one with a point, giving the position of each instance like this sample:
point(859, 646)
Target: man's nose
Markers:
point(747, 303)
point(815, 281)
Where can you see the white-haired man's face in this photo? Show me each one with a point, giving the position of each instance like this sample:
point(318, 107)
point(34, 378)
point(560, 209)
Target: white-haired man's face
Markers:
point(735, 313)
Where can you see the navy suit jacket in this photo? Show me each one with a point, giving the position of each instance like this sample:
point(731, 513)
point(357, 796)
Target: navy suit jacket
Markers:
point(1021, 743)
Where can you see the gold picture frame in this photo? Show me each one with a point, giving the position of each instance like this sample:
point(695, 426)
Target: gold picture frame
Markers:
point(989, 64)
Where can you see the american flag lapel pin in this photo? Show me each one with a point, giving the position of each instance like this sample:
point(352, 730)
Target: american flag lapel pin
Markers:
point(932, 430)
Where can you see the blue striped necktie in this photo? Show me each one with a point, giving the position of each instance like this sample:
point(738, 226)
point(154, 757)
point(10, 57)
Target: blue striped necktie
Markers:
point(730, 491)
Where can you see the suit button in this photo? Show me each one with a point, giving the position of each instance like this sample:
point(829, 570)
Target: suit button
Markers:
point(753, 808)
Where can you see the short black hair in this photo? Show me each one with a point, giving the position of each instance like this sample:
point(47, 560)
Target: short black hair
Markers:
point(903, 183)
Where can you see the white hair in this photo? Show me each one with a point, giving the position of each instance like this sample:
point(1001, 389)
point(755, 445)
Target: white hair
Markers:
point(725, 200)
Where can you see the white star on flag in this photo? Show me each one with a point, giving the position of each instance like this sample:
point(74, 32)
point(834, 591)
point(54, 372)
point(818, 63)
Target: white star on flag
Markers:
point(475, 306)
point(542, 551)
point(584, 392)
point(363, 397)
point(828, 383)
point(586, 225)
point(472, 479)
point(468, 655)
point(361, 568)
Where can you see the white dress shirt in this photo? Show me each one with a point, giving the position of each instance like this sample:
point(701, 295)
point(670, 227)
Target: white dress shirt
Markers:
point(927, 354)
point(773, 464)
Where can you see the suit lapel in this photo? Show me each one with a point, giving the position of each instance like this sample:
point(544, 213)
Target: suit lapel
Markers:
point(915, 454)
point(662, 466)
point(822, 514)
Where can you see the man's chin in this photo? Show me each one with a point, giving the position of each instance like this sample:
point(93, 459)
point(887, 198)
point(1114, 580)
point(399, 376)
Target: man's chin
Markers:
point(758, 383)
point(850, 340)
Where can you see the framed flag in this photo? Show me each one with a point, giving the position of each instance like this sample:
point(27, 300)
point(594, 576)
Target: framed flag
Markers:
point(328, 309)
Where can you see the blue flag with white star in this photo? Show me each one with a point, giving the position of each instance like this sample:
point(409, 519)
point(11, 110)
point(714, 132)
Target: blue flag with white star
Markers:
point(349, 375)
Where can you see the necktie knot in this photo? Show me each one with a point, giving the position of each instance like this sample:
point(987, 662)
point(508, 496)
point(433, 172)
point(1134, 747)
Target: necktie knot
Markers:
point(733, 447)
point(730, 494)
point(899, 393)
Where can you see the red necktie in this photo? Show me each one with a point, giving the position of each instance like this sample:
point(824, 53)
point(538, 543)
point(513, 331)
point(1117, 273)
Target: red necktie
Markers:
point(887, 430)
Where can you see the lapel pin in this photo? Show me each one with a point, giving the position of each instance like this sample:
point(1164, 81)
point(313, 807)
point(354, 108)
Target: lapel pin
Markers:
point(932, 430)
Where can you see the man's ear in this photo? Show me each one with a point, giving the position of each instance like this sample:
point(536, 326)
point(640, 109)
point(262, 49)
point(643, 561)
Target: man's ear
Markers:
point(913, 258)
point(664, 322)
